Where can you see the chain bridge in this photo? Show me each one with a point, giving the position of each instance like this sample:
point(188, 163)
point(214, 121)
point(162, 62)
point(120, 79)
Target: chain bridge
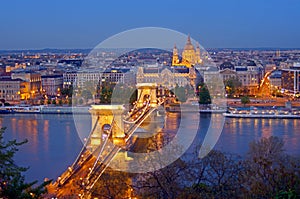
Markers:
point(111, 131)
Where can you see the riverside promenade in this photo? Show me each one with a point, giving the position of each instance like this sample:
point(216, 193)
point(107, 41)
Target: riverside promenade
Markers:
point(277, 102)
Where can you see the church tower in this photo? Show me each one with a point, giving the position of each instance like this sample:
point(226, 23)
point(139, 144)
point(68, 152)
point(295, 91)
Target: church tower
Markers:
point(198, 55)
point(175, 59)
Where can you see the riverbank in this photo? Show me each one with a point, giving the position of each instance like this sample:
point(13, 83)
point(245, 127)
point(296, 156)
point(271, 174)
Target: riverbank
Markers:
point(44, 110)
point(262, 102)
point(235, 115)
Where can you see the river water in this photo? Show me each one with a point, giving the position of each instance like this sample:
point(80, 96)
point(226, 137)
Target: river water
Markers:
point(54, 140)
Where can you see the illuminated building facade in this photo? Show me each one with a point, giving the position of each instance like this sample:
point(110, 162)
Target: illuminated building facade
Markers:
point(11, 89)
point(167, 76)
point(69, 77)
point(249, 76)
point(275, 79)
point(190, 56)
point(52, 84)
point(290, 79)
point(84, 76)
point(117, 75)
point(111, 75)
point(33, 84)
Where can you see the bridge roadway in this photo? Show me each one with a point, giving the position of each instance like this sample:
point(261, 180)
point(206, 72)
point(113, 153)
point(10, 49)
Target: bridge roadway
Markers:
point(80, 178)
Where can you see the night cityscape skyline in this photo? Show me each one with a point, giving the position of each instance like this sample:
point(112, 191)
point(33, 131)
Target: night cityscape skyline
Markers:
point(149, 99)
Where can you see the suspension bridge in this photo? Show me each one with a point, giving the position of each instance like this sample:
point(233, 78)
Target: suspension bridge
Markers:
point(111, 132)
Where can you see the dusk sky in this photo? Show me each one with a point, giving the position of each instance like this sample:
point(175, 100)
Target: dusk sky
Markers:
point(33, 24)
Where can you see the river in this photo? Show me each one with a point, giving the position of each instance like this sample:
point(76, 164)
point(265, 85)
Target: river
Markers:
point(54, 141)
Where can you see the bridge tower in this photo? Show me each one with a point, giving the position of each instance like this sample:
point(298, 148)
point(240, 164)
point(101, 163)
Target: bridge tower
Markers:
point(147, 90)
point(107, 117)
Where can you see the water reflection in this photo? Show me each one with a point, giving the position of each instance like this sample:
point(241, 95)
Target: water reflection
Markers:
point(46, 135)
point(54, 142)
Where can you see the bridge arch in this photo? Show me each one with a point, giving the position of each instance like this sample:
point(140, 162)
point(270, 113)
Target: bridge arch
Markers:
point(110, 118)
point(147, 91)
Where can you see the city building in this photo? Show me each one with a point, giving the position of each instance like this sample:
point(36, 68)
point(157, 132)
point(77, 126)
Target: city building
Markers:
point(52, 84)
point(12, 90)
point(226, 65)
point(167, 76)
point(270, 68)
point(69, 77)
point(33, 84)
point(275, 79)
point(190, 56)
point(119, 75)
point(290, 79)
point(247, 75)
point(84, 76)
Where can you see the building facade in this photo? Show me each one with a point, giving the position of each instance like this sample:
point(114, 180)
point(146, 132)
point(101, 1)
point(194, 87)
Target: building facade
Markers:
point(246, 75)
point(33, 84)
point(118, 75)
point(85, 76)
point(190, 56)
point(275, 79)
point(290, 79)
point(167, 76)
point(52, 84)
point(69, 77)
point(12, 89)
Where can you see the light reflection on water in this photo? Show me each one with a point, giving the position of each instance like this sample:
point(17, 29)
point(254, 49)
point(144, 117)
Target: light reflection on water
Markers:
point(54, 142)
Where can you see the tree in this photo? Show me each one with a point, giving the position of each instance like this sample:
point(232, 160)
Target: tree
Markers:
point(180, 93)
point(266, 172)
point(105, 94)
point(122, 94)
point(69, 101)
point(113, 184)
point(231, 86)
point(162, 183)
point(166, 182)
point(245, 100)
point(270, 172)
point(204, 96)
point(214, 176)
point(67, 91)
point(86, 94)
point(48, 101)
point(12, 182)
point(92, 87)
point(189, 90)
point(80, 101)
point(54, 101)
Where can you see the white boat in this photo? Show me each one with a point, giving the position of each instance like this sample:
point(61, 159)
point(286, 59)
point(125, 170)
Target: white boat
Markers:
point(263, 114)
point(26, 109)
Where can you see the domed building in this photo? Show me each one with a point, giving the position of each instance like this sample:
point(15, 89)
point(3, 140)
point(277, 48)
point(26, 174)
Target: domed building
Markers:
point(225, 65)
point(190, 56)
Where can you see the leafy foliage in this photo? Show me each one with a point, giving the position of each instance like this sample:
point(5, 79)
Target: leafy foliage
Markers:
point(180, 93)
point(231, 86)
point(12, 182)
point(204, 96)
point(67, 91)
point(266, 172)
point(245, 100)
point(113, 184)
